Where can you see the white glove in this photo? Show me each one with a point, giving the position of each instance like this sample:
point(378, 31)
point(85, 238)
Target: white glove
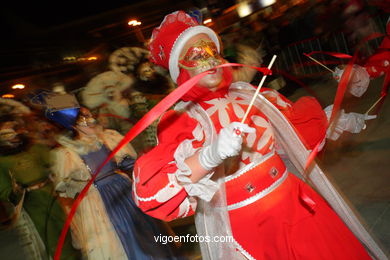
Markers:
point(337, 74)
point(228, 144)
point(350, 122)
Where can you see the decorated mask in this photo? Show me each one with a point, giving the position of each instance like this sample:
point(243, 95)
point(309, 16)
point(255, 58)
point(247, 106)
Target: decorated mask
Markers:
point(201, 56)
point(85, 119)
point(145, 71)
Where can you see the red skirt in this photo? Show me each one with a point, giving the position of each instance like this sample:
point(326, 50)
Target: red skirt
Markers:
point(282, 226)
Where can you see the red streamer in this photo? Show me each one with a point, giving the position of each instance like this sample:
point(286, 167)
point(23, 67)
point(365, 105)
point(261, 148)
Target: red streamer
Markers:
point(334, 54)
point(341, 87)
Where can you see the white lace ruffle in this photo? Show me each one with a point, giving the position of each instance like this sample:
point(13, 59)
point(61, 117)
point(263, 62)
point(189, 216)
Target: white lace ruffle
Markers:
point(205, 188)
point(70, 188)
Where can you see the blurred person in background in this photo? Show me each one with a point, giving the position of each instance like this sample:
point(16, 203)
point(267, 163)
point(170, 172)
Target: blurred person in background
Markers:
point(106, 95)
point(27, 190)
point(107, 224)
point(149, 87)
point(103, 93)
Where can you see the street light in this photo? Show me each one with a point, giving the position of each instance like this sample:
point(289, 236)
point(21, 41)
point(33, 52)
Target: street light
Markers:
point(7, 96)
point(135, 23)
point(265, 3)
point(18, 86)
point(207, 21)
point(244, 9)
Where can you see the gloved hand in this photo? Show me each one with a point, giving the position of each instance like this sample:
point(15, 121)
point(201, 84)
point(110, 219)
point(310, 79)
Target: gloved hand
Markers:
point(338, 73)
point(228, 144)
point(354, 122)
point(350, 122)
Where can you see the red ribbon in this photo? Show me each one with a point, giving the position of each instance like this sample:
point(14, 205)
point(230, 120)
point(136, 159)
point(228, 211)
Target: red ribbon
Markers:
point(334, 54)
point(313, 154)
point(308, 202)
point(143, 123)
point(342, 86)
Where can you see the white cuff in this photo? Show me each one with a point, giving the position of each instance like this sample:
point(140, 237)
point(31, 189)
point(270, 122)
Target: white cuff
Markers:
point(333, 132)
point(205, 188)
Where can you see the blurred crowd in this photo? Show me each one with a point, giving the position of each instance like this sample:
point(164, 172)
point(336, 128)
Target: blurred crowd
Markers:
point(51, 143)
point(114, 100)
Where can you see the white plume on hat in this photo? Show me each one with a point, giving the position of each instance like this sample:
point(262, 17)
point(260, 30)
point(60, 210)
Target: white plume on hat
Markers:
point(94, 93)
point(125, 59)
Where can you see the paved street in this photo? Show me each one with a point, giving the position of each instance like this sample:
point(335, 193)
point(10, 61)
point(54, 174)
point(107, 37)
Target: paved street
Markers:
point(360, 163)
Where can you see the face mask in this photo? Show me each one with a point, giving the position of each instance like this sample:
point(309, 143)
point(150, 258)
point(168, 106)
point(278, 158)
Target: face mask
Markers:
point(201, 56)
point(86, 121)
point(146, 71)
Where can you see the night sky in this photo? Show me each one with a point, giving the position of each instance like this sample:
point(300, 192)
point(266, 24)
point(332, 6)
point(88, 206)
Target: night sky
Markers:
point(47, 14)
point(30, 40)
point(37, 35)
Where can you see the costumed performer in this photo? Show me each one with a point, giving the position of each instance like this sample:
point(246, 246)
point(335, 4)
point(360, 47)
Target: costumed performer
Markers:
point(150, 85)
point(105, 93)
point(107, 224)
point(236, 185)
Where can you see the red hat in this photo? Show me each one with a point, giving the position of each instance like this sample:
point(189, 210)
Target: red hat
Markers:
point(169, 38)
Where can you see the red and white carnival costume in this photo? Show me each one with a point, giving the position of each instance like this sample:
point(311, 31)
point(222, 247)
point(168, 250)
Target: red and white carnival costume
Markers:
point(271, 213)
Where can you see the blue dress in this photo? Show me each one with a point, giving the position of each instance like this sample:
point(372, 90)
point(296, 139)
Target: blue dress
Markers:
point(135, 230)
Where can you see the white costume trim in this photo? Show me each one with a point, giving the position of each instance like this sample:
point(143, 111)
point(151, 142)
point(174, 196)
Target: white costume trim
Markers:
point(249, 166)
point(243, 251)
point(259, 195)
point(163, 195)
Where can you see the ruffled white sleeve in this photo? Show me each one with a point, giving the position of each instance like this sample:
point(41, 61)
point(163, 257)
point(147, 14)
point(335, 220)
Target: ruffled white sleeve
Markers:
point(68, 177)
point(205, 188)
